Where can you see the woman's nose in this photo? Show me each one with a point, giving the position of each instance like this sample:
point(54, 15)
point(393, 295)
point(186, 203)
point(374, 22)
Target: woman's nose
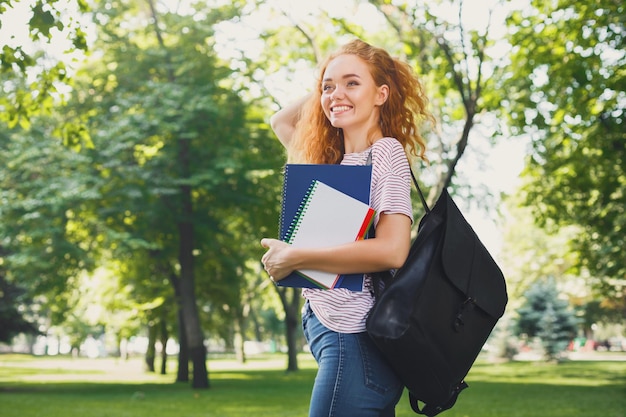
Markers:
point(338, 92)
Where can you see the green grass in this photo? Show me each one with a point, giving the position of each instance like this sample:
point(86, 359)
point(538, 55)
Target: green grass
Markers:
point(63, 387)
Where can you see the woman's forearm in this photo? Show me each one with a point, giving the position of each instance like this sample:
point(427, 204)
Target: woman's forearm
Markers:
point(369, 255)
point(387, 250)
point(284, 121)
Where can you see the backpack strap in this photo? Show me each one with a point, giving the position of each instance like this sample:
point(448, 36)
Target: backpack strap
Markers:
point(430, 410)
point(386, 276)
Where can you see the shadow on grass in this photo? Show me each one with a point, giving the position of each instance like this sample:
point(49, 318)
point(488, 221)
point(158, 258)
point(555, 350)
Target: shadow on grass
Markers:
point(232, 393)
point(574, 389)
point(493, 399)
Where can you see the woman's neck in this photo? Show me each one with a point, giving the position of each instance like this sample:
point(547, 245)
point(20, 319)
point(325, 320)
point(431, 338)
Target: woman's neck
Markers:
point(355, 142)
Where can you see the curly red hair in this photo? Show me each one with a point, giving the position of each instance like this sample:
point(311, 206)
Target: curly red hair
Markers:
point(317, 141)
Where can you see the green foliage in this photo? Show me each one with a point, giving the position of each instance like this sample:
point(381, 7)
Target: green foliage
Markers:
point(166, 120)
point(43, 244)
point(34, 75)
point(451, 53)
point(155, 84)
point(116, 205)
point(530, 253)
point(566, 88)
point(12, 321)
point(548, 317)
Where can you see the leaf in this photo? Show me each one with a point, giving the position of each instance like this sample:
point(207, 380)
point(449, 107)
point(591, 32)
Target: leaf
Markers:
point(43, 20)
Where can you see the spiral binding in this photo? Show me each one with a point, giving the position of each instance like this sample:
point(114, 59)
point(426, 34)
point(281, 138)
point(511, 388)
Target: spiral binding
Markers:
point(297, 219)
point(281, 220)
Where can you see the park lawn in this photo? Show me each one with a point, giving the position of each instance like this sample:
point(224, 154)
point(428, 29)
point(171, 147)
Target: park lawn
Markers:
point(63, 387)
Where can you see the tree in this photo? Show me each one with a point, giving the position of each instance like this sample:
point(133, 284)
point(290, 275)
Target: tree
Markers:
point(548, 317)
point(43, 245)
point(565, 88)
point(530, 253)
point(39, 252)
point(454, 61)
point(179, 155)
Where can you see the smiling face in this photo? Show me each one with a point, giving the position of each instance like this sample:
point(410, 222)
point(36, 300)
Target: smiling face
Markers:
point(350, 97)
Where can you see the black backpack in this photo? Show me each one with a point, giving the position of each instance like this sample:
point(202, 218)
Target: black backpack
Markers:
point(437, 311)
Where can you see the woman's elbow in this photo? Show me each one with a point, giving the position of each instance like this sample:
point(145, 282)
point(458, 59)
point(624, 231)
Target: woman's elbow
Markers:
point(282, 130)
point(397, 257)
point(397, 262)
point(275, 121)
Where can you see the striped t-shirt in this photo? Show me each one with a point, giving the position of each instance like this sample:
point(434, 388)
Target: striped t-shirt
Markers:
point(342, 310)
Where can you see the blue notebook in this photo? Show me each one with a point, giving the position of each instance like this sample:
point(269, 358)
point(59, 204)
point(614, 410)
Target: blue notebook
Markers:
point(351, 180)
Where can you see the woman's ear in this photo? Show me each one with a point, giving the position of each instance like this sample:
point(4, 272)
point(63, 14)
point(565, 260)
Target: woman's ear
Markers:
point(383, 94)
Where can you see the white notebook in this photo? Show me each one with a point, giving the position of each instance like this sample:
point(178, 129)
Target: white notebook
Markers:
point(328, 217)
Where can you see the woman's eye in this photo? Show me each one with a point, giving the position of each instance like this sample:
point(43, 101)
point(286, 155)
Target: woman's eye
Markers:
point(326, 87)
point(352, 83)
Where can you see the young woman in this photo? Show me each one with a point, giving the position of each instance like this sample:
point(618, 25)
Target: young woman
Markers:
point(365, 104)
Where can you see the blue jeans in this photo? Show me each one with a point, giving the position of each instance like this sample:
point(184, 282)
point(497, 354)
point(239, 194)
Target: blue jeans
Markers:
point(353, 378)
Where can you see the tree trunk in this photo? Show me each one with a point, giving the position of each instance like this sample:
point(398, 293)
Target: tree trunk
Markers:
point(182, 375)
point(164, 338)
point(193, 330)
point(290, 298)
point(183, 353)
point(239, 339)
point(122, 347)
point(151, 351)
point(256, 326)
point(190, 317)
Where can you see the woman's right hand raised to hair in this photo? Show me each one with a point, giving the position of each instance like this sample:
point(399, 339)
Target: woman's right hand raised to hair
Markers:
point(284, 121)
